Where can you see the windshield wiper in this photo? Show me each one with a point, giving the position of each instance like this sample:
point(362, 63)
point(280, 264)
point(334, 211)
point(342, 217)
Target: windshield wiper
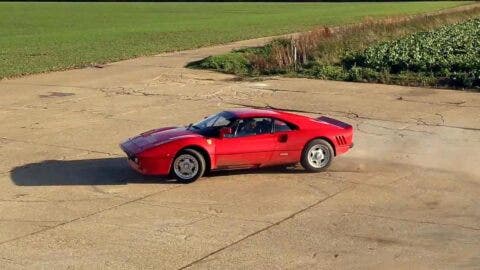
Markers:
point(192, 126)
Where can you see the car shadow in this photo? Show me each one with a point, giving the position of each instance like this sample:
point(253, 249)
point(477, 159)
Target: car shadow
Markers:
point(103, 171)
point(107, 171)
point(116, 171)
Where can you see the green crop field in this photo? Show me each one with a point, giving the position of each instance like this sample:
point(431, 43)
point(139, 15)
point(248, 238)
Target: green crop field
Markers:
point(448, 55)
point(38, 37)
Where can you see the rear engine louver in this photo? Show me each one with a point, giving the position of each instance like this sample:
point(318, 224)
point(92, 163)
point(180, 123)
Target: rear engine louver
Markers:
point(341, 140)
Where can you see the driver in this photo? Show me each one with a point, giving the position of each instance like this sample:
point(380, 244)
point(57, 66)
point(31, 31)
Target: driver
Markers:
point(248, 128)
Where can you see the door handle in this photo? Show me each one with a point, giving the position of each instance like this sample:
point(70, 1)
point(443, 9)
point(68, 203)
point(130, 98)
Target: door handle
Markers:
point(283, 138)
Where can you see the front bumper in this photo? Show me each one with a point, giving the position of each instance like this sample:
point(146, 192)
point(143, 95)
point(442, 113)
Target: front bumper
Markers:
point(134, 165)
point(150, 166)
point(147, 165)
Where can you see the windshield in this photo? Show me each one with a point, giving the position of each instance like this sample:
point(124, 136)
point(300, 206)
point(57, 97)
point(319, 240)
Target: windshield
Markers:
point(212, 124)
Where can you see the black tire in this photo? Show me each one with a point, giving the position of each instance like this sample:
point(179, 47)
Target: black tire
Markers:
point(188, 157)
point(315, 163)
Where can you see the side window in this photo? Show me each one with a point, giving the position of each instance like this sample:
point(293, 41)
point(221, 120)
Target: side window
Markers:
point(252, 126)
point(208, 122)
point(280, 126)
point(221, 121)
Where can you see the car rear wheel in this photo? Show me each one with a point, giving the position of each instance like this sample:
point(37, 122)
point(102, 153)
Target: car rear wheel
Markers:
point(317, 155)
point(188, 166)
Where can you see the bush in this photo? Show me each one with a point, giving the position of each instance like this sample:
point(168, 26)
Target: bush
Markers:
point(449, 55)
point(327, 72)
point(234, 62)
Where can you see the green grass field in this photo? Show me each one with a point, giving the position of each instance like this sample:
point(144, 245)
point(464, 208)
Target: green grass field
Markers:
point(38, 37)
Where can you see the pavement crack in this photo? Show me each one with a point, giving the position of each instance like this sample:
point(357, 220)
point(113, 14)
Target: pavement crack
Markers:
point(86, 216)
point(398, 129)
point(55, 201)
point(459, 104)
point(368, 132)
point(10, 261)
point(274, 90)
point(30, 221)
point(209, 214)
point(441, 118)
point(60, 146)
point(50, 85)
point(264, 229)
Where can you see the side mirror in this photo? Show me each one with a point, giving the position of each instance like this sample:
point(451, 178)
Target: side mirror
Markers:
point(225, 131)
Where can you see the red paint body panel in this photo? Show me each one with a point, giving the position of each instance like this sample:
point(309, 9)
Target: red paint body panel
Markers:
point(152, 152)
point(244, 151)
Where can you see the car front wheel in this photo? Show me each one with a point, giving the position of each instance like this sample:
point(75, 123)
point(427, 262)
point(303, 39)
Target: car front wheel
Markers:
point(188, 166)
point(317, 155)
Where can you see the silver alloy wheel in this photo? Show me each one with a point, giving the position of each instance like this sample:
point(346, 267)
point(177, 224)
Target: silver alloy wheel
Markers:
point(318, 156)
point(186, 166)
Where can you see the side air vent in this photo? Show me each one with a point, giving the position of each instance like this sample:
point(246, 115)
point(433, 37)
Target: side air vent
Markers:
point(341, 140)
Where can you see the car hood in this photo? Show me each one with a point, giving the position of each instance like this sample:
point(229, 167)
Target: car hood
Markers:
point(155, 137)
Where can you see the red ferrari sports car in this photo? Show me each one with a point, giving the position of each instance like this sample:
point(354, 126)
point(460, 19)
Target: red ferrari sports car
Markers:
point(239, 138)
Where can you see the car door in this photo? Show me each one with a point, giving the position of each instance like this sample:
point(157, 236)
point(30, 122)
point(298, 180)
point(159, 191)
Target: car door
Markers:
point(251, 144)
point(289, 143)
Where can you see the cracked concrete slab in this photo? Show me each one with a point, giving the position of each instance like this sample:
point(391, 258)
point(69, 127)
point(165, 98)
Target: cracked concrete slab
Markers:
point(351, 241)
point(151, 237)
point(403, 197)
point(275, 187)
point(410, 199)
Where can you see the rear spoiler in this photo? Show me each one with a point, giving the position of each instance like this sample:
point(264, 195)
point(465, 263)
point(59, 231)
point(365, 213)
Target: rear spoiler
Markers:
point(334, 122)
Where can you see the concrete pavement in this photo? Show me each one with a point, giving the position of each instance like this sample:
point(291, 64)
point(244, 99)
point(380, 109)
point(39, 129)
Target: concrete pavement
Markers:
point(405, 197)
